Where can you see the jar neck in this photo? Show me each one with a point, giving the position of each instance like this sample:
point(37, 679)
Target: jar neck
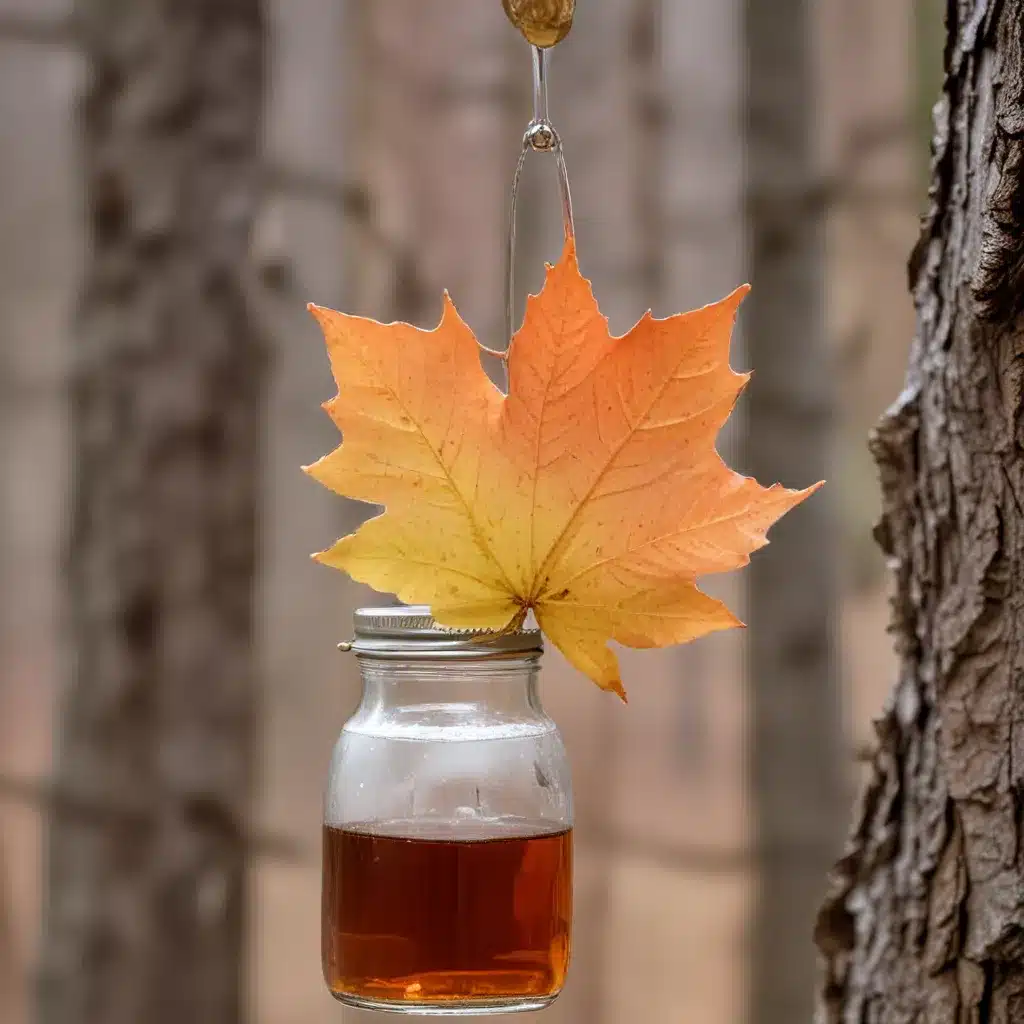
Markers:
point(504, 685)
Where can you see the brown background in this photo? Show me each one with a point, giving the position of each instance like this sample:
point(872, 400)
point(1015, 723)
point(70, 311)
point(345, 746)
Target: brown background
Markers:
point(665, 879)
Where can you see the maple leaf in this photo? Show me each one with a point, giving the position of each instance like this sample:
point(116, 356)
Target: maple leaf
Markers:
point(592, 494)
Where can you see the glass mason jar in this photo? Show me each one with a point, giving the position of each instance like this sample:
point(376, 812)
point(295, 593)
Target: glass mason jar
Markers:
point(447, 883)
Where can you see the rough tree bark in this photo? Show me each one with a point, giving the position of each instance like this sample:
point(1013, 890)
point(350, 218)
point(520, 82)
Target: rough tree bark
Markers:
point(925, 918)
point(147, 857)
point(796, 765)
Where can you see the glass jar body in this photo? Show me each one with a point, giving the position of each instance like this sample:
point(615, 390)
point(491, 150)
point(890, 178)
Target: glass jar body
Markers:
point(448, 841)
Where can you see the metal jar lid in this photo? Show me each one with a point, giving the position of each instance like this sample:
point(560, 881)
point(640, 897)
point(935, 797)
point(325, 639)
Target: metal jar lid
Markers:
point(411, 632)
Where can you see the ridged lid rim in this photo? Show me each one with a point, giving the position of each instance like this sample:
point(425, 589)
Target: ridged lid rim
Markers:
point(403, 631)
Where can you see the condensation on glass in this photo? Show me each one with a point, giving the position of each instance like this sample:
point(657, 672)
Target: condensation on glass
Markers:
point(447, 884)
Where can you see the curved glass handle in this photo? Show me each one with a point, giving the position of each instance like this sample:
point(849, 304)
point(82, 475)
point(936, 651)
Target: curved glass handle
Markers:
point(540, 137)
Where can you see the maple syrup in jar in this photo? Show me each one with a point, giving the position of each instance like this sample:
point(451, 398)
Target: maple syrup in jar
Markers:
point(447, 884)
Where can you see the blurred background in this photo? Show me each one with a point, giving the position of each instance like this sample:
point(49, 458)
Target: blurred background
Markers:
point(176, 182)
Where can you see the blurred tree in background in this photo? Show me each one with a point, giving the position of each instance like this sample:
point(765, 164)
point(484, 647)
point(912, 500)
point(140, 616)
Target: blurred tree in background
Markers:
point(383, 156)
point(797, 772)
point(145, 905)
point(925, 917)
point(9, 965)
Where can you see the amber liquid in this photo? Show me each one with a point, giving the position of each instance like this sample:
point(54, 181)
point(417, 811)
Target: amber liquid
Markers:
point(411, 914)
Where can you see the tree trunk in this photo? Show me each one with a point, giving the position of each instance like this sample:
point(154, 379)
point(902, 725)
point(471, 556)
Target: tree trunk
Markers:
point(925, 917)
point(147, 854)
point(796, 760)
point(10, 963)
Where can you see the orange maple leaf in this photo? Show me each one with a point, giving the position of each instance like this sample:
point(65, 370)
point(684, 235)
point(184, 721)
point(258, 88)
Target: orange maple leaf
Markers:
point(592, 494)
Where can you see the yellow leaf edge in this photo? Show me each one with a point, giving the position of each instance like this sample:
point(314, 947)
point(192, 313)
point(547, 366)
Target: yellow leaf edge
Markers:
point(609, 681)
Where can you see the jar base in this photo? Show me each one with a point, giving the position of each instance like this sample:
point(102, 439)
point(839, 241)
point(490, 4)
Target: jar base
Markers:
point(469, 1008)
